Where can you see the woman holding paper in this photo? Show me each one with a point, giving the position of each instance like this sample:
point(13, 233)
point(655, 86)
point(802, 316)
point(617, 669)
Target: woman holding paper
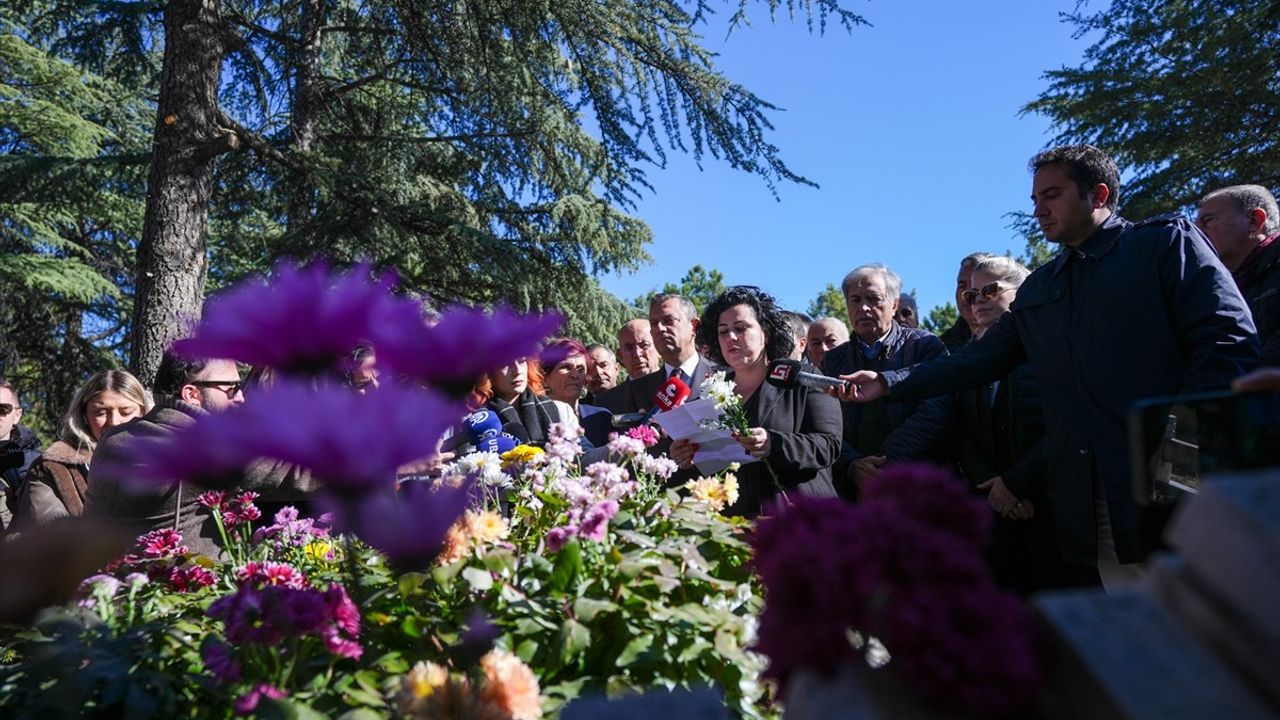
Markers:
point(794, 432)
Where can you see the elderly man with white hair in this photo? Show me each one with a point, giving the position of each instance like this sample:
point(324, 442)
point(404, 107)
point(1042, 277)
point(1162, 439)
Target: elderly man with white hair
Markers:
point(878, 433)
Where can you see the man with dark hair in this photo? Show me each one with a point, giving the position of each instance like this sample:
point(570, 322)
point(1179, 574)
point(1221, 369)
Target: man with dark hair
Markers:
point(602, 373)
point(1243, 222)
point(888, 430)
point(799, 325)
point(1126, 311)
point(19, 447)
point(959, 334)
point(184, 391)
point(908, 314)
point(673, 324)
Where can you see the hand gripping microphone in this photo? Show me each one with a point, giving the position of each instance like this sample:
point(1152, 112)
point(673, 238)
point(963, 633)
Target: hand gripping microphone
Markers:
point(672, 394)
point(786, 373)
point(480, 428)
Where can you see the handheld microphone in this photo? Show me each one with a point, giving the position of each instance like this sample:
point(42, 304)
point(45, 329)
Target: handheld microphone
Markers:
point(476, 429)
point(670, 395)
point(786, 373)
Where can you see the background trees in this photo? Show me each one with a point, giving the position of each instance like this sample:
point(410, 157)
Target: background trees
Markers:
point(1185, 95)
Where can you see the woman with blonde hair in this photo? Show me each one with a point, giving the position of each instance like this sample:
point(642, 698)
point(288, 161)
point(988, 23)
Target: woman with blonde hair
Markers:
point(56, 483)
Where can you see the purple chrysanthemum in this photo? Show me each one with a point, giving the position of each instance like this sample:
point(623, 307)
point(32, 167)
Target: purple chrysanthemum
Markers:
point(302, 320)
point(351, 442)
point(220, 660)
point(464, 344)
point(595, 521)
point(932, 496)
point(191, 577)
point(558, 537)
point(248, 702)
point(408, 527)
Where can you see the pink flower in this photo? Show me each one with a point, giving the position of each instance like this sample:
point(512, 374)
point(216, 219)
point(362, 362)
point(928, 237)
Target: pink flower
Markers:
point(340, 646)
point(595, 521)
point(248, 702)
point(191, 577)
point(272, 573)
point(644, 434)
point(557, 537)
point(162, 544)
point(934, 497)
point(212, 499)
point(344, 612)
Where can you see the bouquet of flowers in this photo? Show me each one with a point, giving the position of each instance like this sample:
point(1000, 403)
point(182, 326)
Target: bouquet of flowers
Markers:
point(733, 416)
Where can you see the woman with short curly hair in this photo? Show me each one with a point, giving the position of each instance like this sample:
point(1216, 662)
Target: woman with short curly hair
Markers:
point(794, 432)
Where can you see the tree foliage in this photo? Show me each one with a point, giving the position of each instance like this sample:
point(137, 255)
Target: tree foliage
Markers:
point(829, 303)
point(74, 147)
point(699, 285)
point(1185, 94)
point(940, 318)
point(491, 152)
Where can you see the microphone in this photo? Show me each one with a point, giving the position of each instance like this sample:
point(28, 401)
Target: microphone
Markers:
point(477, 428)
point(516, 431)
point(786, 373)
point(670, 395)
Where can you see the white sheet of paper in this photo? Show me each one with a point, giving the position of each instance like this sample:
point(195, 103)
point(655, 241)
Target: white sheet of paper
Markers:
point(716, 448)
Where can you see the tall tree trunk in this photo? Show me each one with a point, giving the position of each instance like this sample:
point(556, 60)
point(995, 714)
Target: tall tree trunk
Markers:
point(171, 263)
point(306, 106)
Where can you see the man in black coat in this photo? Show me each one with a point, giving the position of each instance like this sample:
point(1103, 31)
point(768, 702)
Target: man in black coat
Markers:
point(1243, 223)
point(888, 429)
point(1124, 312)
point(673, 323)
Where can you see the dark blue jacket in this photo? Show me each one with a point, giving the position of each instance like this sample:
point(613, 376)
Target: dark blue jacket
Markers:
point(1137, 311)
point(918, 429)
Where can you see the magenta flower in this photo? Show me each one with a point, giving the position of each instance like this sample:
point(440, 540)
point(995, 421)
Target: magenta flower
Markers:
point(933, 496)
point(407, 527)
point(645, 434)
point(271, 614)
point(240, 509)
point(271, 573)
point(191, 577)
point(162, 544)
point(558, 537)
point(464, 344)
point(220, 660)
point(302, 320)
point(345, 614)
point(595, 521)
point(212, 499)
point(248, 702)
point(340, 646)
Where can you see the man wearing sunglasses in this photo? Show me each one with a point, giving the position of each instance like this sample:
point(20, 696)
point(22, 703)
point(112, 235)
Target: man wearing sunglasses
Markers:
point(19, 447)
point(184, 390)
point(1184, 328)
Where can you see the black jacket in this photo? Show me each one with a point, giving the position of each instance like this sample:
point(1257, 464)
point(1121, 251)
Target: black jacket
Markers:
point(804, 438)
point(1259, 283)
point(17, 453)
point(1004, 438)
point(1136, 311)
point(918, 428)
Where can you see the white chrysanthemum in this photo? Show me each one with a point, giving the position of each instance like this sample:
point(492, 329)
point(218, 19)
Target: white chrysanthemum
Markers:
point(719, 389)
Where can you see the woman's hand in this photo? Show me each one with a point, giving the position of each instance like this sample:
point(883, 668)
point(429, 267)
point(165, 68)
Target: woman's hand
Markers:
point(682, 453)
point(755, 442)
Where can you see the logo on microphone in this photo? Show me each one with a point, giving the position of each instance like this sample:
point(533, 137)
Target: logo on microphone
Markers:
point(781, 372)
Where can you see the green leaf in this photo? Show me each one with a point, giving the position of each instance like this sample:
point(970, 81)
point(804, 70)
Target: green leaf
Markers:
point(286, 709)
point(585, 609)
point(639, 645)
point(575, 638)
point(567, 565)
point(479, 579)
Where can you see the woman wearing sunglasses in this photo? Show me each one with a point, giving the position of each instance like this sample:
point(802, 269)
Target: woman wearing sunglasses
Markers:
point(55, 486)
point(1001, 445)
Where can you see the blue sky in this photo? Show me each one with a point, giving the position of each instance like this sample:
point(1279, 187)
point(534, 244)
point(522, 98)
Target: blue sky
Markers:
point(910, 127)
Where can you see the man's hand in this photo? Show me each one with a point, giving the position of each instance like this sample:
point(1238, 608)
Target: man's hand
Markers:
point(755, 442)
point(866, 468)
point(430, 465)
point(862, 386)
point(1005, 502)
point(1264, 380)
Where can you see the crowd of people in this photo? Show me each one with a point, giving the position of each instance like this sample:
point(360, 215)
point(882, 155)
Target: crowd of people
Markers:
point(1025, 396)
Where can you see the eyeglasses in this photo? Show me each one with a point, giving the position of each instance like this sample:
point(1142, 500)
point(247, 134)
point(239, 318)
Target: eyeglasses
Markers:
point(231, 387)
point(990, 291)
point(5, 409)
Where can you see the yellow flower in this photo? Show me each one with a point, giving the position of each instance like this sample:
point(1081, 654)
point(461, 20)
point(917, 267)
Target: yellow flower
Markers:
point(730, 488)
point(519, 455)
point(715, 493)
point(424, 679)
point(457, 542)
point(487, 527)
point(318, 551)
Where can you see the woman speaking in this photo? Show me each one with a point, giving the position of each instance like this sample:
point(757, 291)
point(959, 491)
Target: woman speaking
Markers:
point(795, 432)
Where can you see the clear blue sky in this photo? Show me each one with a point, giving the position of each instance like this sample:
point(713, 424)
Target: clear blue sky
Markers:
point(910, 127)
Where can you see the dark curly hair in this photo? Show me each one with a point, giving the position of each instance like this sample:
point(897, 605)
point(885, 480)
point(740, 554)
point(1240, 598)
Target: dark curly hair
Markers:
point(777, 332)
point(1086, 165)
